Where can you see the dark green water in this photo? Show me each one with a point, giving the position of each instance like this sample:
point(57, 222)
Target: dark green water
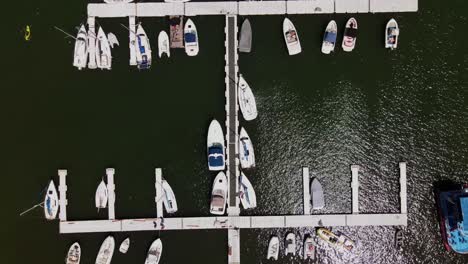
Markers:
point(371, 107)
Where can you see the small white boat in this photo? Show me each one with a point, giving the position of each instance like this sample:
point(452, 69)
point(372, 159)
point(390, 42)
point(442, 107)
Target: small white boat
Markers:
point(350, 35)
point(309, 248)
point(273, 248)
point(247, 103)
point(245, 39)
point(336, 240)
point(246, 150)
point(80, 56)
point(154, 252)
point(215, 145)
point(51, 203)
point(191, 38)
point(329, 38)
point(392, 31)
point(169, 200)
point(176, 31)
point(103, 51)
point(112, 39)
point(106, 251)
point(74, 254)
point(163, 44)
point(124, 245)
point(101, 195)
point(291, 37)
point(247, 193)
point(219, 194)
point(290, 244)
point(118, 1)
point(143, 49)
point(318, 202)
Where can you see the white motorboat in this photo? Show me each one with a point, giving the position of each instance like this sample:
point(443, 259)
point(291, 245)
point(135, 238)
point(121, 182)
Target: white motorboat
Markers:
point(219, 194)
point(118, 1)
point(247, 193)
point(245, 39)
point(143, 49)
point(291, 37)
point(318, 202)
point(392, 31)
point(80, 56)
point(74, 254)
point(273, 248)
point(169, 200)
point(246, 150)
point(309, 248)
point(191, 38)
point(176, 32)
point(329, 38)
point(101, 195)
point(247, 103)
point(154, 252)
point(350, 35)
point(124, 245)
point(337, 240)
point(163, 44)
point(290, 244)
point(51, 203)
point(215, 145)
point(103, 51)
point(106, 251)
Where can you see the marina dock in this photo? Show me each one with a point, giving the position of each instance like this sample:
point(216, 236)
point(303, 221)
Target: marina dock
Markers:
point(243, 8)
point(237, 222)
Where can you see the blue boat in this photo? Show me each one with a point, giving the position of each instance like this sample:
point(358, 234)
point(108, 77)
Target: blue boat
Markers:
point(452, 204)
point(215, 146)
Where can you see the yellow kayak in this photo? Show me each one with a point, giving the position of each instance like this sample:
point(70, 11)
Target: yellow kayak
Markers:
point(27, 33)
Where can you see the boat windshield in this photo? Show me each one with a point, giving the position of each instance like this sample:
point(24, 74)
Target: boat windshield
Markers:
point(351, 32)
point(291, 36)
point(330, 37)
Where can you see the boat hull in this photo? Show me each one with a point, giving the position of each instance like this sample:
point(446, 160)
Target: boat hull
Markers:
point(246, 150)
point(392, 32)
point(219, 194)
point(106, 251)
point(143, 49)
point(154, 252)
point(170, 202)
point(51, 203)
point(101, 196)
point(124, 246)
point(245, 39)
point(246, 99)
point(163, 44)
point(290, 244)
point(349, 36)
point(273, 248)
point(191, 38)
point(291, 37)
point(103, 51)
point(215, 146)
point(309, 248)
point(74, 254)
point(247, 194)
point(329, 38)
point(316, 190)
point(80, 56)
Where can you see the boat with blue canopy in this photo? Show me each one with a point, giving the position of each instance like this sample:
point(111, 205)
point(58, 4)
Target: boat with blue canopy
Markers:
point(143, 49)
point(191, 38)
point(215, 145)
point(329, 38)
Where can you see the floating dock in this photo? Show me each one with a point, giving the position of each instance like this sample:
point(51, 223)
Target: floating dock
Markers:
point(243, 8)
point(306, 185)
point(355, 188)
point(159, 193)
point(63, 195)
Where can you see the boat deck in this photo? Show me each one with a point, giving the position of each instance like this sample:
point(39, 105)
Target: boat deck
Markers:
point(161, 9)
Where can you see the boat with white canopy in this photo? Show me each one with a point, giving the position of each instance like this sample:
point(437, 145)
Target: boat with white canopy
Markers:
point(291, 37)
point(219, 194)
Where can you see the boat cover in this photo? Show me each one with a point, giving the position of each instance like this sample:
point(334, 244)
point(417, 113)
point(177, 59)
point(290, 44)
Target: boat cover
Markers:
point(330, 37)
point(215, 156)
point(190, 37)
point(246, 150)
point(464, 208)
point(351, 32)
point(142, 48)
